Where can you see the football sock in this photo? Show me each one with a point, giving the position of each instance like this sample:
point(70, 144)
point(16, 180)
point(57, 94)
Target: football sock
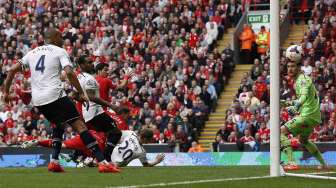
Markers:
point(45, 143)
point(56, 142)
point(287, 148)
point(91, 143)
point(314, 151)
point(112, 140)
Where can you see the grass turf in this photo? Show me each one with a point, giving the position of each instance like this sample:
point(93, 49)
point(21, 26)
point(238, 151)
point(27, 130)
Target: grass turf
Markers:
point(89, 177)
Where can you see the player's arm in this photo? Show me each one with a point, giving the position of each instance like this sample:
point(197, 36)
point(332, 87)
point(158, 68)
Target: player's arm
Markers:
point(8, 82)
point(67, 67)
point(158, 159)
point(73, 80)
point(74, 95)
point(122, 84)
point(92, 97)
point(305, 84)
point(303, 96)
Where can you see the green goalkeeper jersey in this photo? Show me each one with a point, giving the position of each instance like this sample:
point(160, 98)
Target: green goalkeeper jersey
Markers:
point(307, 95)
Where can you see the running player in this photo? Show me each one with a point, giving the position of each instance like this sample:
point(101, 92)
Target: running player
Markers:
point(45, 63)
point(307, 115)
point(95, 116)
point(75, 143)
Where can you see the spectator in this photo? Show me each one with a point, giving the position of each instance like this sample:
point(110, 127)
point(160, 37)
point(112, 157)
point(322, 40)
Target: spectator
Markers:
point(241, 126)
point(218, 140)
point(224, 132)
point(234, 12)
point(195, 148)
point(326, 107)
point(262, 40)
point(246, 38)
point(233, 137)
point(181, 138)
point(306, 68)
point(247, 137)
point(264, 133)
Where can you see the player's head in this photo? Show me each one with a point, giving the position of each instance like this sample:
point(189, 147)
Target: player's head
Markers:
point(53, 36)
point(102, 69)
point(85, 63)
point(146, 136)
point(292, 69)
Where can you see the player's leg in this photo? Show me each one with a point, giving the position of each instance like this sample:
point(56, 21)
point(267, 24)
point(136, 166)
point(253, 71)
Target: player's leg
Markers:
point(72, 117)
point(57, 134)
point(113, 137)
point(310, 146)
point(44, 143)
point(63, 111)
point(52, 114)
point(105, 123)
point(77, 144)
point(91, 143)
point(291, 127)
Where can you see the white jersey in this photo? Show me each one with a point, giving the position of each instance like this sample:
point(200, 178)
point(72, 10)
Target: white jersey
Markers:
point(45, 63)
point(88, 82)
point(128, 149)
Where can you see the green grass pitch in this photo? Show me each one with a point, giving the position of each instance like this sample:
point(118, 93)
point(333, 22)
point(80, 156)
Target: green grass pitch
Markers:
point(89, 177)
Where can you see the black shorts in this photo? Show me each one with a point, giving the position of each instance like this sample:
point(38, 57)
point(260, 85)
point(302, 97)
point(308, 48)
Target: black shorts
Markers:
point(102, 123)
point(61, 111)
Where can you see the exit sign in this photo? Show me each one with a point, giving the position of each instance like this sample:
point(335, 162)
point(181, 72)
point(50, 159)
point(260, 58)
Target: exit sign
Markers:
point(258, 18)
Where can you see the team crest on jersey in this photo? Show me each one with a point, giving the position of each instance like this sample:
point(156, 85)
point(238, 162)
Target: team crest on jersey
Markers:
point(91, 83)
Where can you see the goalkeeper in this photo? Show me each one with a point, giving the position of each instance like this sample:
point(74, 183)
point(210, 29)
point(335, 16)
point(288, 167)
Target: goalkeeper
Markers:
point(306, 109)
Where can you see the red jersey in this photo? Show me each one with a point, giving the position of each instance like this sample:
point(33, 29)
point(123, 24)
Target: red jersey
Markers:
point(121, 122)
point(264, 134)
point(77, 144)
point(246, 139)
point(9, 123)
point(105, 85)
point(168, 134)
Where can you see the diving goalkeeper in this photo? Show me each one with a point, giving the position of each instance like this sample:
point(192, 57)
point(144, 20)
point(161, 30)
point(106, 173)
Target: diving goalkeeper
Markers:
point(306, 109)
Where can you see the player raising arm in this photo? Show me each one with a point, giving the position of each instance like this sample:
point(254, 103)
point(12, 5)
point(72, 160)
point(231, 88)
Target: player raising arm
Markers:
point(306, 109)
point(45, 63)
point(106, 84)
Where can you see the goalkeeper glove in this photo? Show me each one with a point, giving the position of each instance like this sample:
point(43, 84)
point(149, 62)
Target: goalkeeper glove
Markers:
point(285, 103)
point(295, 103)
point(292, 110)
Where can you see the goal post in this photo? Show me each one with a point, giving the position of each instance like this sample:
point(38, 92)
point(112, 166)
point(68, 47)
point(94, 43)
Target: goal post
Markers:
point(274, 89)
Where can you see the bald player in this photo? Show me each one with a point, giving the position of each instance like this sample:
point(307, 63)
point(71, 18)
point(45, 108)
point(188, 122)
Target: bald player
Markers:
point(46, 63)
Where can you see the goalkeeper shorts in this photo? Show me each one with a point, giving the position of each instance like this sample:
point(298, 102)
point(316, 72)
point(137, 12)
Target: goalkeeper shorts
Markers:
point(302, 126)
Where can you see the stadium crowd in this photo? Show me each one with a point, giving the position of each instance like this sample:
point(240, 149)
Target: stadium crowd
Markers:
point(248, 118)
point(169, 45)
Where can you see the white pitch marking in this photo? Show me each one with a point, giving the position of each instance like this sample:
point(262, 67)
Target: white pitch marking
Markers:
point(189, 182)
point(310, 176)
point(320, 173)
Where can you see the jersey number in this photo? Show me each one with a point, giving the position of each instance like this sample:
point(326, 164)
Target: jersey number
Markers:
point(40, 64)
point(127, 152)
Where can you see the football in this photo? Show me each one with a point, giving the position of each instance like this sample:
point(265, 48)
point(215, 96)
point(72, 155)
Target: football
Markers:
point(294, 53)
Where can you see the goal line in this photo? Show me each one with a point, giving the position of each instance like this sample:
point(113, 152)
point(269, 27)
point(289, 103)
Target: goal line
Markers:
point(317, 175)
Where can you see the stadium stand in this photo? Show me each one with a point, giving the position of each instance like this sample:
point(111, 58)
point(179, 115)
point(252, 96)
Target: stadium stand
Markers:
point(170, 45)
point(248, 118)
